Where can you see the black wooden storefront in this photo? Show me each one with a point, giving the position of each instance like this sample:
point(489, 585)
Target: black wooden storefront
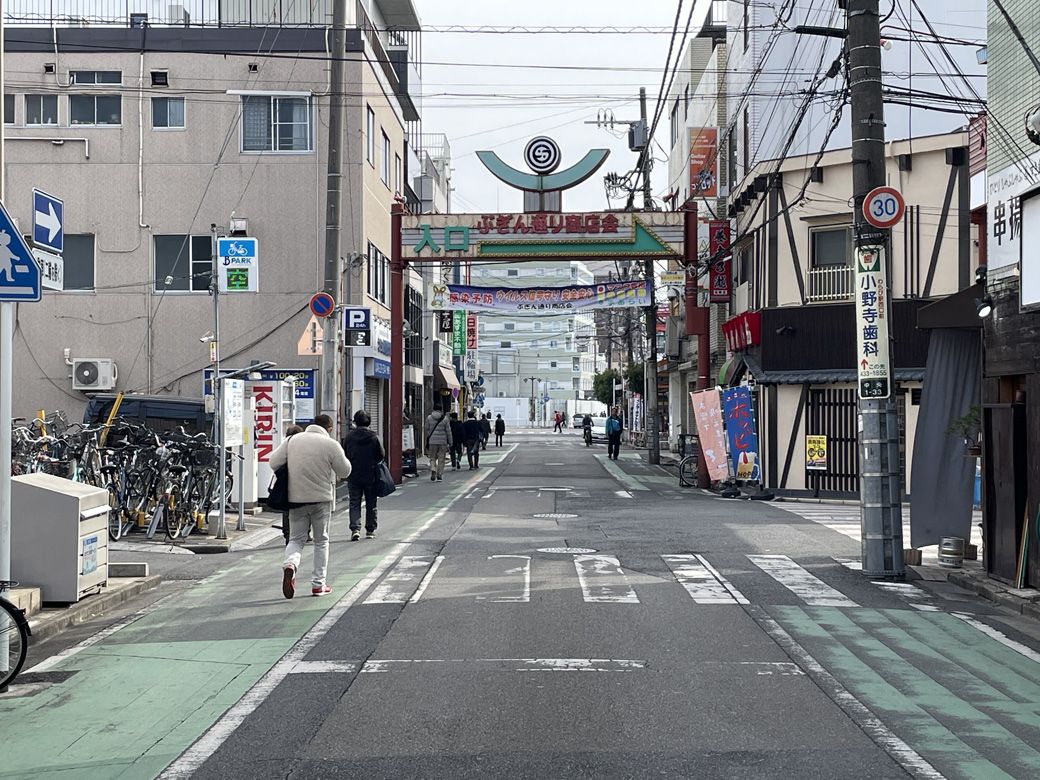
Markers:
point(832, 413)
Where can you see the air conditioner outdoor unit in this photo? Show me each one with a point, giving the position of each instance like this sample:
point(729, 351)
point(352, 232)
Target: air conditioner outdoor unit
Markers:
point(94, 374)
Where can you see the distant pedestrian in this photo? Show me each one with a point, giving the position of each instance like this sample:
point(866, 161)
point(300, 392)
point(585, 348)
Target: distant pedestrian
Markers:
point(364, 451)
point(500, 430)
point(471, 434)
point(614, 426)
point(291, 431)
point(558, 419)
point(315, 460)
point(456, 441)
point(438, 440)
point(485, 429)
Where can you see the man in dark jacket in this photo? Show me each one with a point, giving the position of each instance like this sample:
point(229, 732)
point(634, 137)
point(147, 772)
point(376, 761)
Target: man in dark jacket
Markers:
point(500, 430)
point(364, 451)
point(471, 434)
point(485, 430)
point(456, 441)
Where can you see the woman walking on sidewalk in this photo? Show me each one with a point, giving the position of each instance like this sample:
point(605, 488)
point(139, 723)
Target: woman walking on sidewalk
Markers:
point(438, 440)
point(365, 452)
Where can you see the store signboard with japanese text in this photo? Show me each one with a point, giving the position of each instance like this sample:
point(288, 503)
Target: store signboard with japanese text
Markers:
point(472, 332)
point(872, 365)
point(704, 162)
point(589, 234)
point(606, 295)
point(458, 333)
point(739, 414)
point(816, 453)
point(470, 366)
point(708, 415)
point(719, 273)
point(1004, 242)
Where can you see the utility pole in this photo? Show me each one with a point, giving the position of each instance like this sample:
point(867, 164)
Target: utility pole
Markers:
point(880, 496)
point(653, 429)
point(330, 359)
point(6, 389)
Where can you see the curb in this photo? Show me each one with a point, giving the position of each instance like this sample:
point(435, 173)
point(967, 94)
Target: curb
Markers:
point(51, 625)
point(995, 592)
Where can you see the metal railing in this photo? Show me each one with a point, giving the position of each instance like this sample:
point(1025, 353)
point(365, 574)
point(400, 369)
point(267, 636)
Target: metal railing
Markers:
point(165, 13)
point(831, 283)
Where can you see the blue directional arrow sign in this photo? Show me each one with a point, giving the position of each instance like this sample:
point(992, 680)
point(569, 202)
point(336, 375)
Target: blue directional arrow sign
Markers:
point(48, 222)
point(19, 274)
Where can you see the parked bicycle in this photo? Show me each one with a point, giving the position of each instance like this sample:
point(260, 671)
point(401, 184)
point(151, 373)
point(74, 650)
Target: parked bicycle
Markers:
point(14, 637)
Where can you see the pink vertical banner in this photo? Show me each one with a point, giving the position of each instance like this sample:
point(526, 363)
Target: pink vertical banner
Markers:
point(708, 413)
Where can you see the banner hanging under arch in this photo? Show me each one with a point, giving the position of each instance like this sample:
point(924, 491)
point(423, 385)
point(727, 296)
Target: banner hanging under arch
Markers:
point(607, 295)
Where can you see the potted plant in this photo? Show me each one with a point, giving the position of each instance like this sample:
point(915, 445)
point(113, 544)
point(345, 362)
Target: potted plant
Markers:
point(969, 427)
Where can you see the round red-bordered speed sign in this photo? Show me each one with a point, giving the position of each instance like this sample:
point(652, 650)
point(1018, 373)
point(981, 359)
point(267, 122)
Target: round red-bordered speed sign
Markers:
point(883, 207)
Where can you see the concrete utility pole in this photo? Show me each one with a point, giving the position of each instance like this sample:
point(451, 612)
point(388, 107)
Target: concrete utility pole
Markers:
point(6, 386)
point(330, 359)
point(653, 430)
point(880, 496)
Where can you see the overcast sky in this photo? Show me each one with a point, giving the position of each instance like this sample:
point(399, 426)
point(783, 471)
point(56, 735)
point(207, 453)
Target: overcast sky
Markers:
point(460, 85)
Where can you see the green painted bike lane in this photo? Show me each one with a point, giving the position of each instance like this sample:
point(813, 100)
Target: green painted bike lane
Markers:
point(137, 699)
point(965, 702)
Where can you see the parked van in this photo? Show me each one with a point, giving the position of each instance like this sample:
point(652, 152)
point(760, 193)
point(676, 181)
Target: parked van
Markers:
point(158, 412)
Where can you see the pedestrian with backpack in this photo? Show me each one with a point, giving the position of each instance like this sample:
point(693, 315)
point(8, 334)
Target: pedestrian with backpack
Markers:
point(365, 452)
point(614, 426)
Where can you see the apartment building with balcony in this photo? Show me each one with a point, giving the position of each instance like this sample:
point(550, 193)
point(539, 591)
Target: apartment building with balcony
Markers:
point(792, 333)
point(153, 129)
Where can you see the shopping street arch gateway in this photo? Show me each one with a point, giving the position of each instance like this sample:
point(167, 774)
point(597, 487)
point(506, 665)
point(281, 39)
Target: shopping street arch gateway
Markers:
point(524, 237)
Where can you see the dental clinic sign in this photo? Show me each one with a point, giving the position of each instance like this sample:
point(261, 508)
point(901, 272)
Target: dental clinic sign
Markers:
point(237, 265)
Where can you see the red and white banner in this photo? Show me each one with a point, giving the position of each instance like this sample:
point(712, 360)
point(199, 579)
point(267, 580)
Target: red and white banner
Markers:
point(707, 411)
point(471, 331)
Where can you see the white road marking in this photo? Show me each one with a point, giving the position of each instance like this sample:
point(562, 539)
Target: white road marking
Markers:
point(1005, 640)
point(426, 580)
point(525, 569)
point(399, 585)
point(623, 494)
point(385, 665)
point(801, 583)
point(188, 763)
point(854, 564)
point(908, 758)
point(729, 586)
point(603, 581)
point(325, 667)
point(627, 480)
point(704, 584)
point(904, 590)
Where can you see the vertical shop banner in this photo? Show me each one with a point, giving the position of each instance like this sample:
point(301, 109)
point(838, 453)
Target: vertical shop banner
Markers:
point(719, 273)
point(445, 321)
point(471, 331)
point(872, 364)
point(704, 162)
point(458, 333)
point(740, 427)
point(708, 414)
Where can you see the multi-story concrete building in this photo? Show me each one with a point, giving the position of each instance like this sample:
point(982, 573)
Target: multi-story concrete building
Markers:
point(540, 356)
point(156, 136)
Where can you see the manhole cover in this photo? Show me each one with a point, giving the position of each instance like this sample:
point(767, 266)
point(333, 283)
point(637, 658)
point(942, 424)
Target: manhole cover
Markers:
point(567, 550)
point(554, 515)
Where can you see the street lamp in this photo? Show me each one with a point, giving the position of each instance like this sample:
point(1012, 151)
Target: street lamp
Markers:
point(533, 380)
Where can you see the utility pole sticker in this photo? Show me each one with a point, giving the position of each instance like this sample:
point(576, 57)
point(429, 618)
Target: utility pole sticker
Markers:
point(872, 364)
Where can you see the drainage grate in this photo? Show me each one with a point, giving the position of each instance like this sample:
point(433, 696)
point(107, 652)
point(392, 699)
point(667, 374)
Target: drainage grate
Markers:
point(554, 515)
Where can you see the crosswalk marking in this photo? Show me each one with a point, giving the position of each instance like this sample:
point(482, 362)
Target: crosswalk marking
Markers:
point(704, 584)
point(523, 568)
point(603, 581)
point(402, 581)
point(425, 583)
point(813, 591)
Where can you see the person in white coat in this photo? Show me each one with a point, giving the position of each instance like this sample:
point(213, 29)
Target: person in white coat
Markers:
point(315, 462)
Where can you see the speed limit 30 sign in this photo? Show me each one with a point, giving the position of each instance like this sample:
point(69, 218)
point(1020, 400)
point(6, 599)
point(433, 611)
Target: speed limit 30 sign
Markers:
point(883, 207)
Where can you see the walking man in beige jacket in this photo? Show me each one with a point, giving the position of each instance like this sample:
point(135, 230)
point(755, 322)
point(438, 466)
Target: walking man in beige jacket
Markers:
point(315, 461)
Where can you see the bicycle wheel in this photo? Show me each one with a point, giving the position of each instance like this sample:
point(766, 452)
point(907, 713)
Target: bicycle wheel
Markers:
point(174, 513)
point(688, 471)
point(12, 633)
point(115, 512)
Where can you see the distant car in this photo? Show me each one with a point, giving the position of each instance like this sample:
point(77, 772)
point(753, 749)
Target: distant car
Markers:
point(599, 428)
point(577, 420)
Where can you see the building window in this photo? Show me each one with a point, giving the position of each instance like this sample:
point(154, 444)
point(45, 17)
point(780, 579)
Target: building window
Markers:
point(397, 173)
point(96, 76)
point(675, 123)
point(686, 102)
point(370, 134)
point(39, 109)
point(747, 141)
point(276, 124)
point(79, 261)
point(745, 261)
point(505, 344)
point(377, 273)
point(183, 263)
point(576, 364)
point(731, 157)
point(95, 110)
point(831, 247)
point(8, 109)
point(384, 161)
point(509, 326)
point(167, 113)
point(745, 24)
point(512, 272)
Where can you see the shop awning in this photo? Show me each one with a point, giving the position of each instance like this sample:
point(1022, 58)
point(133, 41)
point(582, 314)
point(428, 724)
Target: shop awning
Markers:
point(731, 370)
point(444, 378)
point(957, 310)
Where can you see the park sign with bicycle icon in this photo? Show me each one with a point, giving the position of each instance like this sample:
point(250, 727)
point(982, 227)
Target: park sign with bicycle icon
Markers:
point(238, 267)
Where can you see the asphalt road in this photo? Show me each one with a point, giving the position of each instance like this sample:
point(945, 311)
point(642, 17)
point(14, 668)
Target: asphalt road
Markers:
point(550, 615)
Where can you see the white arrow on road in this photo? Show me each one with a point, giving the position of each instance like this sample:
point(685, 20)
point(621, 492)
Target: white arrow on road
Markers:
point(49, 219)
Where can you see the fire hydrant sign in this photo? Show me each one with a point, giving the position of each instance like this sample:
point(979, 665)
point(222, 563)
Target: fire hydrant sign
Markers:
point(872, 363)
